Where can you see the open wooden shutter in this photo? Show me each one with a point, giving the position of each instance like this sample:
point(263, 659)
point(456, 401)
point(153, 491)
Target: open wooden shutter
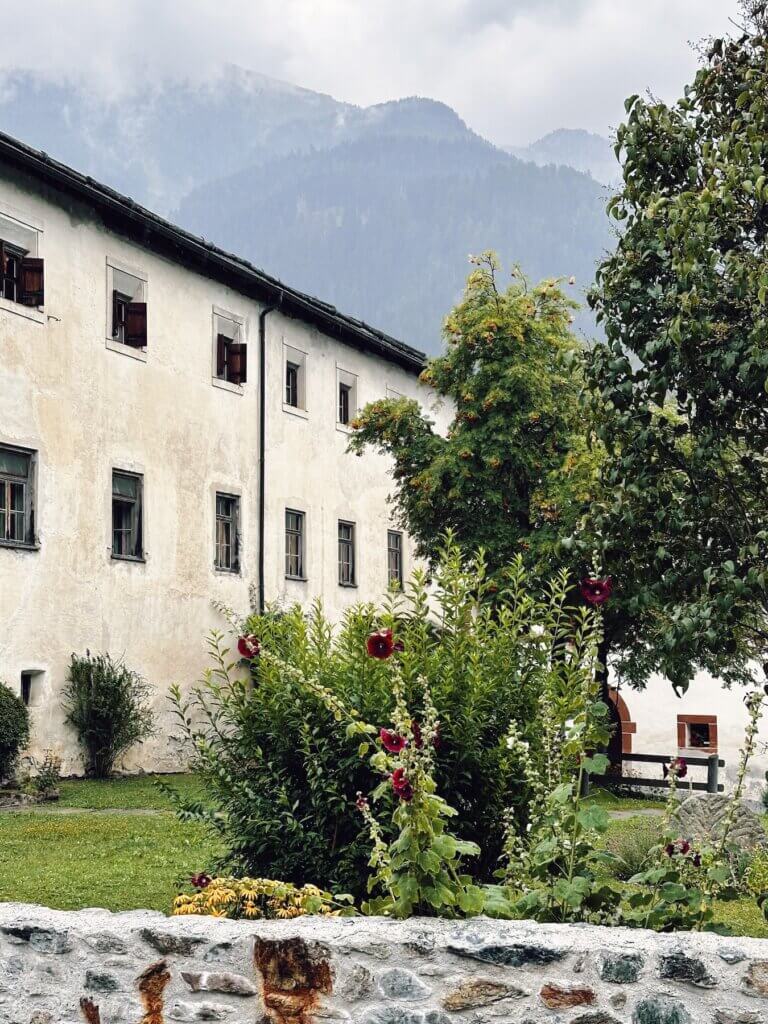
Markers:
point(136, 324)
point(238, 363)
point(221, 355)
point(32, 287)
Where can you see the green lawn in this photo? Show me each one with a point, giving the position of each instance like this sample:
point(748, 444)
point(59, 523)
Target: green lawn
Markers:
point(605, 798)
point(138, 791)
point(113, 860)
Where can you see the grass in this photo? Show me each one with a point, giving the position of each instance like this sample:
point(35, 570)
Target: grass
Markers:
point(611, 802)
point(121, 862)
point(138, 791)
point(117, 861)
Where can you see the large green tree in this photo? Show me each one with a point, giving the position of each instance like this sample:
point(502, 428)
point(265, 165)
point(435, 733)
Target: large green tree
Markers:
point(513, 471)
point(680, 386)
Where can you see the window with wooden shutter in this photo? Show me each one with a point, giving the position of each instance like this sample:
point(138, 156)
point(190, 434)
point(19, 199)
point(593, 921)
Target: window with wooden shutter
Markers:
point(136, 324)
point(237, 370)
point(31, 281)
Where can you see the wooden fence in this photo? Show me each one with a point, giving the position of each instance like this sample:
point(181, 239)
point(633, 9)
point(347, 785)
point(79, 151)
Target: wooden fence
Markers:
point(712, 763)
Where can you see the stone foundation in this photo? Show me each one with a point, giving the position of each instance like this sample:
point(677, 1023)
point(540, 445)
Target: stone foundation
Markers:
point(143, 968)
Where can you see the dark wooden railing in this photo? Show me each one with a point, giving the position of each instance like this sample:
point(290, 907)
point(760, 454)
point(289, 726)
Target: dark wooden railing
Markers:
point(712, 763)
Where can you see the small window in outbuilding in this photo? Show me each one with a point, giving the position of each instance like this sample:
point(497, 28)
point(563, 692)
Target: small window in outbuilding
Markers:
point(697, 732)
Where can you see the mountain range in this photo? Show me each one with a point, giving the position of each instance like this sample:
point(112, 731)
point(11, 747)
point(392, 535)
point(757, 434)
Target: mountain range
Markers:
point(372, 208)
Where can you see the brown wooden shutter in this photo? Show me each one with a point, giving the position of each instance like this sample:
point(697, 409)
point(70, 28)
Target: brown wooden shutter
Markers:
point(136, 324)
point(221, 355)
point(32, 277)
point(238, 363)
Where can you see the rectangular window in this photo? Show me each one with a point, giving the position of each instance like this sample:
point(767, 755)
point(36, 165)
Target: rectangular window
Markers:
point(346, 389)
point(344, 393)
point(16, 496)
point(231, 350)
point(294, 544)
point(127, 496)
point(346, 554)
point(227, 532)
point(128, 315)
point(697, 732)
point(26, 688)
point(292, 384)
point(395, 558)
point(21, 272)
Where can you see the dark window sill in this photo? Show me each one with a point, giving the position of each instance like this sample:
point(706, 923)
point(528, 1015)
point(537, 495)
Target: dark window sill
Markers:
point(128, 558)
point(16, 545)
point(297, 579)
point(226, 572)
point(349, 586)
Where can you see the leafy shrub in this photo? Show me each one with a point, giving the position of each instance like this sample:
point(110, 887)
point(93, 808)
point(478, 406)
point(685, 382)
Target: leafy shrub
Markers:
point(253, 898)
point(46, 780)
point(756, 877)
point(631, 847)
point(107, 704)
point(14, 730)
point(282, 778)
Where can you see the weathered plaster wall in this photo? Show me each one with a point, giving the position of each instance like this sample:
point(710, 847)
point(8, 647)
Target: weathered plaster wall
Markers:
point(93, 966)
point(87, 407)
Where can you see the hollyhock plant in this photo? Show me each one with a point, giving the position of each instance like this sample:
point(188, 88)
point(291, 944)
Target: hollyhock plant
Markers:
point(401, 785)
point(380, 644)
point(391, 742)
point(248, 647)
point(596, 591)
point(201, 881)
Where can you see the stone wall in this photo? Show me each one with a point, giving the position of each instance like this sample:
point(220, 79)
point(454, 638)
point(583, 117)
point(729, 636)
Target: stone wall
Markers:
point(143, 968)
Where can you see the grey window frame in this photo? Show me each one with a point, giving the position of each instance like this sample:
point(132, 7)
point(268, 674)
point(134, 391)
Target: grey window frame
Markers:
point(292, 383)
point(233, 519)
point(27, 510)
point(394, 550)
point(345, 403)
point(298, 532)
point(136, 506)
point(347, 544)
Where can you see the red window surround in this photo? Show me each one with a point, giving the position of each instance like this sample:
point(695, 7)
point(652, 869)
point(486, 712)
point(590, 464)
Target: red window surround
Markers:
point(683, 732)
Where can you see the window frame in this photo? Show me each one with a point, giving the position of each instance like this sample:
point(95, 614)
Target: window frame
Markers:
point(223, 320)
point(28, 483)
point(113, 342)
point(300, 534)
point(136, 530)
point(233, 569)
point(296, 359)
point(23, 235)
point(684, 734)
point(292, 371)
point(399, 552)
point(351, 542)
point(346, 382)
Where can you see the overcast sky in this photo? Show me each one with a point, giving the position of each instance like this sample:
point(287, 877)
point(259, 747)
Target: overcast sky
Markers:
point(513, 69)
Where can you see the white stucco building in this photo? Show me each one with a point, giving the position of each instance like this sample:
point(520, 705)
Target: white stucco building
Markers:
point(173, 432)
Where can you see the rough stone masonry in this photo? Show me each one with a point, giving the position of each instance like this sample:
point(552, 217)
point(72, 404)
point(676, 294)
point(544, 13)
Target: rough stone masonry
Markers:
point(143, 968)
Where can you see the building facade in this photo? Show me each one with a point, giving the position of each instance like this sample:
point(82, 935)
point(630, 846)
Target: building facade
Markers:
point(173, 433)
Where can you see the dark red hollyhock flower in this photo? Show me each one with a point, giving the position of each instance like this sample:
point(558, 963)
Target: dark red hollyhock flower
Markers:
point(681, 846)
point(696, 860)
point(596, 591)
point(399, 646)
point(391, 741)
point(678, 766)
point(401, 785)
point(201, 881)
point(249, 647)
point(380, 644)
point(361, 803)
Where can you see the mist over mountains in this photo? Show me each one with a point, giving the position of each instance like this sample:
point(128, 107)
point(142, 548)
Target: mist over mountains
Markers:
point(372, 208)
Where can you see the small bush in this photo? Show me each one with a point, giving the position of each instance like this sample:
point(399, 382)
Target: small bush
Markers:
point(253, 898)
point(46, 781)
point(107, 704)
point(14, 730)
point(632, 846)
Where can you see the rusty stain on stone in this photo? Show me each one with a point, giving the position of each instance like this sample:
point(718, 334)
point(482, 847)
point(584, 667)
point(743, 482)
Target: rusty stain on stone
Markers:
point(560, 997)
point(90, 1011)
point(294, 976)
point(152, 984)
